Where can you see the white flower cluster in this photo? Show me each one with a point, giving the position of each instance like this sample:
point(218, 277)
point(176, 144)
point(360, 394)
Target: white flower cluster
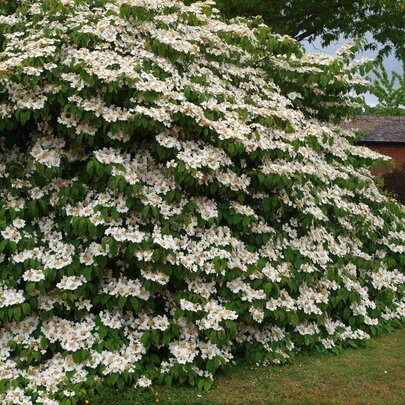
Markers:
point(125, 287)
point(10, 297)
point(71, 336)
point(71, 282)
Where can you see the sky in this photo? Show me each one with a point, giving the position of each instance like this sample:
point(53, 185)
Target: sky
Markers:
point(391, 63)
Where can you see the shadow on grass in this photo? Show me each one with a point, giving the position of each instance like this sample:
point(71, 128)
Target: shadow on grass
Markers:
point(372, 375)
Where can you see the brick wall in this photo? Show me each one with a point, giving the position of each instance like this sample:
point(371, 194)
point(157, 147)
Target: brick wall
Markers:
point(395, 150)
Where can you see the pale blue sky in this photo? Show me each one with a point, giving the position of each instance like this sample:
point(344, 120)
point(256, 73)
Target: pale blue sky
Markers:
point(391, 63)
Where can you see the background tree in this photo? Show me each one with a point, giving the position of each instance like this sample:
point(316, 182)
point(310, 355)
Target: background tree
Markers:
point(328, 19)
point(390, 92)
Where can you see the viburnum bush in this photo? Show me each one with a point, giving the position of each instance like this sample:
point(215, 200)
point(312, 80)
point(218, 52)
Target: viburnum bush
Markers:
point(175, 190)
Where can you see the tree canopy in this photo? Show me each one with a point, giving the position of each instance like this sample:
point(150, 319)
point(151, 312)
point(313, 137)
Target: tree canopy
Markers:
point(390, 92)
point(328, 19)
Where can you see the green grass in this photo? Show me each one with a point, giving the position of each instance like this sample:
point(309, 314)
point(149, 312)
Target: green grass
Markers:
point(372, 375)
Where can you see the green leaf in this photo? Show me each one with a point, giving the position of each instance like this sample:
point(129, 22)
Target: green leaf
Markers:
point(90, 167)
point(17, 313)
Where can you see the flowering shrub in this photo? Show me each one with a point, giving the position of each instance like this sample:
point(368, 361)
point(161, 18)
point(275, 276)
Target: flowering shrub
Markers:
point(174, 191)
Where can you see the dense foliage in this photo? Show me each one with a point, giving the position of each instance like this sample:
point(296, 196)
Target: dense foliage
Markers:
point(174, 191)
point(329, 20)
point(389, 90)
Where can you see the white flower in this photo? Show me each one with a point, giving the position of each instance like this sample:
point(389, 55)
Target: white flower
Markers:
point(143, 382)
point(34, 275)
point(71, 282)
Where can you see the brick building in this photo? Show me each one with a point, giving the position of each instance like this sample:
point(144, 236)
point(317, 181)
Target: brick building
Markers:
point(385, 135)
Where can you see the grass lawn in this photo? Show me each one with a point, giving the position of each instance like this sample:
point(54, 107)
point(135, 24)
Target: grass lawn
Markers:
point(373, 375)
